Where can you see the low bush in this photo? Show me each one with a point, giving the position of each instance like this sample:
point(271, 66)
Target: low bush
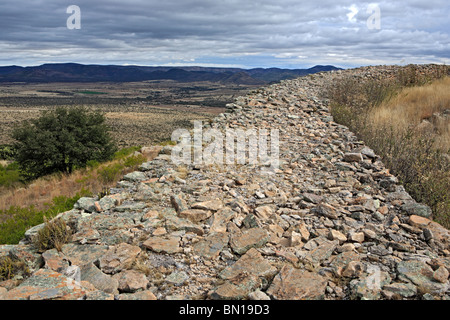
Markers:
point(133, 161)
point(110, 173)
point(54, 234)
point(125, 152)
point(7, 152)
point(10, 175)
point(11, 267)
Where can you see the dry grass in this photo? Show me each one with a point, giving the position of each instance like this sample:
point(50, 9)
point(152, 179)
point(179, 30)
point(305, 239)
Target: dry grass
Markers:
point(11, 267)
point(44, 189)
point(405, 119)
point(54, 234)
point(420, 108)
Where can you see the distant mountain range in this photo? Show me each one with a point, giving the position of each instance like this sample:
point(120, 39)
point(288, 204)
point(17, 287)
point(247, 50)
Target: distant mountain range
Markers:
point(73, 72)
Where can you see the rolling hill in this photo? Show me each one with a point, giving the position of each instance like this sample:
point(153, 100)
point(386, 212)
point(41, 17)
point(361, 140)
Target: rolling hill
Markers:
point(73, 72)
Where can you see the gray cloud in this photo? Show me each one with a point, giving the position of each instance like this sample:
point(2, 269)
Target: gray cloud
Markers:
point(282, 33)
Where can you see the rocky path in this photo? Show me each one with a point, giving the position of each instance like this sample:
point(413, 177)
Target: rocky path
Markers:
point(330, 223)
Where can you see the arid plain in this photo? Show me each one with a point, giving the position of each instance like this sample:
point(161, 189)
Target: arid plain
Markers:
point(138, 113)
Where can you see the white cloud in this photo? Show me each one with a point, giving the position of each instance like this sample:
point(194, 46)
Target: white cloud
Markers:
point(265, 32)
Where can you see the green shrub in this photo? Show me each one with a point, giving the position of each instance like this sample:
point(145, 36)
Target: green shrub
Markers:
point(10, 175)
point(62, 140)
point(125, 152)
point(92, 164)
point(167, 143)
point(133, 161)
point(7, 152)
point(110, 173)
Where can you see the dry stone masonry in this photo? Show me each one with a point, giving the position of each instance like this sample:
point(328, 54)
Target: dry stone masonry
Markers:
point(330, 223)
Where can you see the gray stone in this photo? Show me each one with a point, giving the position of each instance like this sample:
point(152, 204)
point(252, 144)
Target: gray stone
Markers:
point(101, 281)
point(326, 210)
point(413, 208)
point(251, 221)
point(322, 251)
point(177, 277)
point(135, 176)
point(178, 203)
point(86, 204)
point(174, 223)
point(130, 206)
point(55, 260)
point(421, 274)
point(5, 249)
point(368, 152)
point(99, 295)
point(32, 232)
point(403, 290)
point(125, 184)
point(107, 203)
point(28, 254)
point(46, 284)
point(213, 205)
point(369, 286)
point(110, 229)
point(258, 295)
point(312, 198)
point(220, 218)
point(81, 255)
point(165, 245)
point(146, 166)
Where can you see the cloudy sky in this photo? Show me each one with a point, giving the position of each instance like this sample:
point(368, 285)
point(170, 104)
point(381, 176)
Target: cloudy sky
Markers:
point(263, 33)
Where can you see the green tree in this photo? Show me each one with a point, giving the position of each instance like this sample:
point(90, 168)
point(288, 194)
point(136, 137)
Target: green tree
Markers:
point(62, 140)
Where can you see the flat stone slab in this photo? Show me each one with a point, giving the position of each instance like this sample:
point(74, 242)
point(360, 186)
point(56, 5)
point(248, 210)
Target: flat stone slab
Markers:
point(251, 238)
point(252, 262)
point(164, 245)
point(81, 255)
point(295, 284)
point(119, 257)
point(135, 176)
point(236, 288)
point(195, 215)
point(46, 284)
point(213, 205)
point(106, 229)
point(212, 245)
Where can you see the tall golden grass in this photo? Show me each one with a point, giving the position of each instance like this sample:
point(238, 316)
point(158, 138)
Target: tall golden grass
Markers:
point(421, 108)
